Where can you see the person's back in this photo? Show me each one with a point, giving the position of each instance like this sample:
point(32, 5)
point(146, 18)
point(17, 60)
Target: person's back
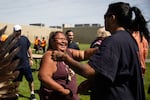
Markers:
point(119, 68)
point(122, 49)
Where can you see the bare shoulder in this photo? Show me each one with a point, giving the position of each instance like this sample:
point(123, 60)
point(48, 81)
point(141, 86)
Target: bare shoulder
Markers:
point(47, 63)
point(47, 55)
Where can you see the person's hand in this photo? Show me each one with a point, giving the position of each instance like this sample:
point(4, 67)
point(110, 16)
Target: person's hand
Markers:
point(58, 55)
point(84, 87)
point(31, 62)
point(67, 92)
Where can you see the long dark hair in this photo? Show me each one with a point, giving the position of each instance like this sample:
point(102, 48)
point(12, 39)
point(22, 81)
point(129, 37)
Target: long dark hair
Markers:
point(140, 24)
point(122, 13)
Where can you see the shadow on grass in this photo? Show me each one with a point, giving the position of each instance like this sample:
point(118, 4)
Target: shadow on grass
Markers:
point(34, 69)
point(23, 96)
point(36, 91)
point(20, 95)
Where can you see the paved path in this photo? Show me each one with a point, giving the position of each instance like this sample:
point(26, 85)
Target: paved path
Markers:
point(37, 56)
point(148, 60)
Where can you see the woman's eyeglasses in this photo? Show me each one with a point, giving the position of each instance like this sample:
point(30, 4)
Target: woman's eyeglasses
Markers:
point(60, 38)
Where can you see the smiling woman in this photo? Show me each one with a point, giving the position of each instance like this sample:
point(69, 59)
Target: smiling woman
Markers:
point(58, 81)
point(58, 38)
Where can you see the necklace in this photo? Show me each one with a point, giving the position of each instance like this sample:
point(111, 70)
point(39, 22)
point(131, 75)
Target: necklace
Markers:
point(70, 72)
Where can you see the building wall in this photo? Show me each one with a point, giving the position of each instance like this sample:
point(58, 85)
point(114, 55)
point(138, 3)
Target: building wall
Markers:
point(31, 31)
point(83, 34)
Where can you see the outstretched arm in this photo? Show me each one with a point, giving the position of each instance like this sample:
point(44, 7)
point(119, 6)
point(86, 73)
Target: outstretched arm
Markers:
point(82, 69)
point(81, 55)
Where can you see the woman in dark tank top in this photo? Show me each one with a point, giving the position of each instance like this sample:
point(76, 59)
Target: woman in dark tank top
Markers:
point(58, 81)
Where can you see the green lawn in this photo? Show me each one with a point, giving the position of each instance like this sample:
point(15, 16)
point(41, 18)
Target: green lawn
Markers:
point(25, 93)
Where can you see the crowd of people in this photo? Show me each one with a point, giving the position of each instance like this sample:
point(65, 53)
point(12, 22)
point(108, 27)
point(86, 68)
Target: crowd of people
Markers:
point(116, 59)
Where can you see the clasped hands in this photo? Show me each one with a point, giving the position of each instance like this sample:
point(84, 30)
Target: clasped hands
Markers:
point(58, 55)
point(85, 86)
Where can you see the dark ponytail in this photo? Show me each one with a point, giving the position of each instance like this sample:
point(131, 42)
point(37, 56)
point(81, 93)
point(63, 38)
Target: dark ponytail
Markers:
point(139, 24)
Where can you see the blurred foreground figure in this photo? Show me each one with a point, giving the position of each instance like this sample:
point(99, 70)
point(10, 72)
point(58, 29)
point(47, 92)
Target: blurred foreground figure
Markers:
point(7, 66)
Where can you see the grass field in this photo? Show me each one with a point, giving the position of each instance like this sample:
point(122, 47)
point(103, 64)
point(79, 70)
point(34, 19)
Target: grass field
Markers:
point(25, 93)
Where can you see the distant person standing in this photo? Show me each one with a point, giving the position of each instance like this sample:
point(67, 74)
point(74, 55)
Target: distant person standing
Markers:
point(71, 43)
point(24, 66)
point(101, 35)
point(43, 44)
point(37, 44)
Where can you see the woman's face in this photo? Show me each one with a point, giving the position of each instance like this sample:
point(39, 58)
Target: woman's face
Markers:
point(60, 42)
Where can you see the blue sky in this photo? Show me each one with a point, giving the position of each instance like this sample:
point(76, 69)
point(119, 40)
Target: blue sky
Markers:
point(58, 12)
